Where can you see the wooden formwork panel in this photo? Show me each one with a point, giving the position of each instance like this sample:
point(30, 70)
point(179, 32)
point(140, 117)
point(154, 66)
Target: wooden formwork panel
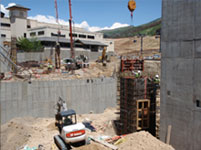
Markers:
point(143, 110)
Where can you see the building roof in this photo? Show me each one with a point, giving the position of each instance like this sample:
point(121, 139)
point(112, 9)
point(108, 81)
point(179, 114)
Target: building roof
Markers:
point(86, 42)
point(18, 7)
point(64, 40)
point(53, 39)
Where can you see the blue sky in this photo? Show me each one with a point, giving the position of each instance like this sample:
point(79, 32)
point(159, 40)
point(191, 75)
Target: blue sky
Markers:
point(92, 14)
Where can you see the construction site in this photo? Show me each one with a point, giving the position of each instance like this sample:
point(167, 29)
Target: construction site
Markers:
point(83, 91)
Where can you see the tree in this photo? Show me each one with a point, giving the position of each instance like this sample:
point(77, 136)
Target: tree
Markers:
point(29, 45)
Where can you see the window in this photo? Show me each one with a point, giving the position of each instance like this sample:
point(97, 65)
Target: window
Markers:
point(25, 35)
point(33, 34)
point(3, 35)
point(82, 36)
point(28, 26)
point(60, 35)
point(198, 104)
point(90, 37)
point(21, 14)
point(41, 32)
point(74, 35)
point(5, 24)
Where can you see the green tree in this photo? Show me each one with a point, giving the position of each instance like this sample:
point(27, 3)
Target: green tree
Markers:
point(29, 45)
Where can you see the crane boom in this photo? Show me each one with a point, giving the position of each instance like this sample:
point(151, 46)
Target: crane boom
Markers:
point(71, 31)
point(57, 47)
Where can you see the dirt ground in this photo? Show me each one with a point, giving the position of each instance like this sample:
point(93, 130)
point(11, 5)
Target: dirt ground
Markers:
point(19, 132)
point(126, 46)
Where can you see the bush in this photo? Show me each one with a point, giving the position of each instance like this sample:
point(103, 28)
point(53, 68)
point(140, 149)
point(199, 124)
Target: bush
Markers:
point(29, 45)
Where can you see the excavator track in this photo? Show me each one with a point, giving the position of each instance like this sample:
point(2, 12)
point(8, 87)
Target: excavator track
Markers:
point(60, 143)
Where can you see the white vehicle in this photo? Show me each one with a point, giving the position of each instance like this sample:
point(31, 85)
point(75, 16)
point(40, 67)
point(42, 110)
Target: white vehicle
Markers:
point(71, 132)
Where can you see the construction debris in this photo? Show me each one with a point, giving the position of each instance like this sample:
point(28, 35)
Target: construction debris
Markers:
point(104, 143)
point(33, 131)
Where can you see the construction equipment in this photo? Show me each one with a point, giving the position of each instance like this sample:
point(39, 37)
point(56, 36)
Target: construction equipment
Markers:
point(57, 47)
point(104, 57)
point(131, 6)
point(71, 132)
point(77, 63)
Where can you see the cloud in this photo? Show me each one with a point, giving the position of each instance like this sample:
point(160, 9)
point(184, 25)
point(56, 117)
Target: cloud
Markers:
point(11, 4)
point(4, 10)
point(83, 24)
point(51, 19)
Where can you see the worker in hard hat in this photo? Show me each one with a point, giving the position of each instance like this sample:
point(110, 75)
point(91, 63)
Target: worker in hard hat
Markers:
point(49, 67)
point(138, 74)
point(156, 79)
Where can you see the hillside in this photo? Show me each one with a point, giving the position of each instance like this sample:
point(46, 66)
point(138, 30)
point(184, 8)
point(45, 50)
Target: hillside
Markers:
point(126, 46)
point(151, 28)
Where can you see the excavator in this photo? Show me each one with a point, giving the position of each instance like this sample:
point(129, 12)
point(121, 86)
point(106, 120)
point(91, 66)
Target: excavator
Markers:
point(103, 58)
point(71, 132)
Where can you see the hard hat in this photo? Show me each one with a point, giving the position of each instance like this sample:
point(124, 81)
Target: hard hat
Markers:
point(157, 76)
point(139, 71)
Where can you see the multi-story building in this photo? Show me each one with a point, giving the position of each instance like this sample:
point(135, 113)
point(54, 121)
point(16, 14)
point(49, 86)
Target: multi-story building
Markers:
point(18, 25)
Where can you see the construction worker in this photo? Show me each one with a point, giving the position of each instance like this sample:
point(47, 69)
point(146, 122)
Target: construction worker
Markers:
point(138, 74)
point(68, 121)
point(157, 81)
point(50, 67)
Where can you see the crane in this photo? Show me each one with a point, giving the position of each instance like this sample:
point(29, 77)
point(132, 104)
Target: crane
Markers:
point(57, 47)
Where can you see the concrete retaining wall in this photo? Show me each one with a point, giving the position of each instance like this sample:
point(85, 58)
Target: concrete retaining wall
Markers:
point(20, 99)
point(49, 53)
point(181, 73)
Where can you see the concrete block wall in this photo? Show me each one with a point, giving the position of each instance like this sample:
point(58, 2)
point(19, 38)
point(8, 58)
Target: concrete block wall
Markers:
point(181, 73)
point(38, 56)
point(21, 99)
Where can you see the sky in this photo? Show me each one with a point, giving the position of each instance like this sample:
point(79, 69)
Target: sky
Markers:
point(92, 15)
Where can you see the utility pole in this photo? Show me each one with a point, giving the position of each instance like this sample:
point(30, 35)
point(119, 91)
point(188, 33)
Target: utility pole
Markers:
point(141, 49)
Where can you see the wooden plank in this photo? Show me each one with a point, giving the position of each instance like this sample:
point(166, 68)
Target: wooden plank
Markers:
point(103, 143)
point(168, 134)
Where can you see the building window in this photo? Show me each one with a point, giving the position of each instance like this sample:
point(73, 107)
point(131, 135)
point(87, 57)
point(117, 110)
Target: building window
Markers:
point(74, 35)
point(25, 35)
point(82, 36)
point(5, 24)
point(41, 32)
point(28, 26)
point(198, 104)
point(33, 34)
point(60, 35)
point(90, 37)
point(21, 14)
point(3, 35)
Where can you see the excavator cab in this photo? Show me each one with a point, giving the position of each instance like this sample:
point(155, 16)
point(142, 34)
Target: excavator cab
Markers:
point(65, 118)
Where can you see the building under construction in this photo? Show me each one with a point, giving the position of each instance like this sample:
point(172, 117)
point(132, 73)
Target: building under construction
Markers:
point(137, 99)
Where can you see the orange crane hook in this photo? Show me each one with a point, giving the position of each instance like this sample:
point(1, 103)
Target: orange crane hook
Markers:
point(131, 6)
